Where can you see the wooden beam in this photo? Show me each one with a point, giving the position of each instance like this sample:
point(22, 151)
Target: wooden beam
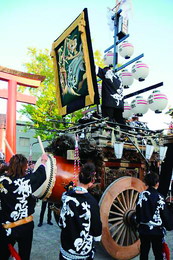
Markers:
point(143, 90)
point(20, 81)
point(22, 74)
point(20, 97)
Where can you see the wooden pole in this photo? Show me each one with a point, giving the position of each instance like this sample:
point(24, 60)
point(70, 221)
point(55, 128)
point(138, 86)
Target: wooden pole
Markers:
point(8, 146)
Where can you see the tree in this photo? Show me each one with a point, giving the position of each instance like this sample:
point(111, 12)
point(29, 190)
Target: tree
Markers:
point(44, 115)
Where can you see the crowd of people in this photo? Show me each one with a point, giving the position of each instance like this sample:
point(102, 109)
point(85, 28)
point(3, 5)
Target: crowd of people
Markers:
point(79, 219)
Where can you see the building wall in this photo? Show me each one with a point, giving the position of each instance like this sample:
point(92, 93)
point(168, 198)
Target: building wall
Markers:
point(26, 144)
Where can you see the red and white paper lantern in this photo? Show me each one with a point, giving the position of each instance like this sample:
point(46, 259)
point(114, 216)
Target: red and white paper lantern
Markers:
point(127, 110)
point(108, 58)
point(139, 106)
point(126, 78)
point(126, 49)
point(157, 101)
point(140, 70)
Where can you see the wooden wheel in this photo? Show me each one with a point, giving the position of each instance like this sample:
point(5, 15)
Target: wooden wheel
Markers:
point(117, 209)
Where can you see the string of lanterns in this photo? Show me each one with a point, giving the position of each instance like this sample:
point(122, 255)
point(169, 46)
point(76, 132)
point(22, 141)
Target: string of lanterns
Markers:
point(139, 70)
point(156, 101)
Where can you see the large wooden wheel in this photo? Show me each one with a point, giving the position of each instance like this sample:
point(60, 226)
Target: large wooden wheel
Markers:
point(117, 209)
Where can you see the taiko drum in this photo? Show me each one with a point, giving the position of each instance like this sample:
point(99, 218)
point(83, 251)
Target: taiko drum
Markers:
point(59, 173)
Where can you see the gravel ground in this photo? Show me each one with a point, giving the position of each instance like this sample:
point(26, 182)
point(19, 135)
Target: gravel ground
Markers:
point(46, 241)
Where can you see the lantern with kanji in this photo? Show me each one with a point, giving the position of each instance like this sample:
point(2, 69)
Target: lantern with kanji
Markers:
point(157, 101)
point(140, 70)
point(139, 106)
point(108, 58)
point(126, 49)
point(127, 110)
point(126, 78)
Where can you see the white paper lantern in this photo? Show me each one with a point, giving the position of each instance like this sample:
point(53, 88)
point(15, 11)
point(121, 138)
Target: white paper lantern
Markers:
point(157, 101)
point(127, 110)
point(140, 70)
point(108, 58)
point(139, 106)
point(118, 150)
point(126, 49)
point(126, 78)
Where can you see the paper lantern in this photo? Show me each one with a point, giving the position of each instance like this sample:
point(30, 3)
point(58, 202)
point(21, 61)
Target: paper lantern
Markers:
point(126, 78)
point(127, 110)
point(157, 101)
point(139, 106)
point(126, 50)
point(108, 58)
point(118, 150)
point(140, 70)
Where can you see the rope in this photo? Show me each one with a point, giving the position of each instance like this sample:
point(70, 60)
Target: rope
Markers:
point(76, 160)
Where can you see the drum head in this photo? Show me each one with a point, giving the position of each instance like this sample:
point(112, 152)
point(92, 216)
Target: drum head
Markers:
point(45, 190)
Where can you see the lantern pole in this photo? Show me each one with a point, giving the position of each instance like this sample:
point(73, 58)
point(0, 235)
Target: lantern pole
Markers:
point(116, 18)
point(116, 23)
point(129, 62)
point(118, 42)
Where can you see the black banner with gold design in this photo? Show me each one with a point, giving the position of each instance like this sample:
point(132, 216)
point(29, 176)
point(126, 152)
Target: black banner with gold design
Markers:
point(75, 76)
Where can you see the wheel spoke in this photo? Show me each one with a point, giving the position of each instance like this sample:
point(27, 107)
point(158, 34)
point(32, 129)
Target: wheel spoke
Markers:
point(121, 231)
point(118, 208)
point(125, 204)
point(127, 198)
point(122, 242)
point(132, 236)
point(117, 230)
point(135, 233)
point(128, 237)
point(121, 203)
point(131, 198)
point(134, 200)
point(115, 224)
point(115, 219)
point(116, 213)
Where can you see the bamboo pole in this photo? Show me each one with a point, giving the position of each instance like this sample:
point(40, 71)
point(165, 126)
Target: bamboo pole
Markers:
point(41, 144)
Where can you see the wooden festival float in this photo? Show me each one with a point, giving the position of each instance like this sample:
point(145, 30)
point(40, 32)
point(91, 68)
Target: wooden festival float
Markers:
point(119, 152)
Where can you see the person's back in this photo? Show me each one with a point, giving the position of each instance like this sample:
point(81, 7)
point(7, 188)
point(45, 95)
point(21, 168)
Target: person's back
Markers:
point(149, 211)
point(17, 203)
point(80, 222)
point(149, 207)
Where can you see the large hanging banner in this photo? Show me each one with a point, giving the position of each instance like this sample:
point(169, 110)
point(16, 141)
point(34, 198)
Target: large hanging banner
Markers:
point(75, 77)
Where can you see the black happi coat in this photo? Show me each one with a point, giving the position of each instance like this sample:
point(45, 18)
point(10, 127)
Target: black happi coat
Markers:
point(152, 213)
point(16, 197)
point(80, 224)
point(112, 90)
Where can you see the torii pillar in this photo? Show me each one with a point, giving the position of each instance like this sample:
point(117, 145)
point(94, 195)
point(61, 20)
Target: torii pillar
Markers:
point(14, 78)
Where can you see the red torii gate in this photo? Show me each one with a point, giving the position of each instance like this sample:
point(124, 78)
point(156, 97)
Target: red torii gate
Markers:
point(14, 78)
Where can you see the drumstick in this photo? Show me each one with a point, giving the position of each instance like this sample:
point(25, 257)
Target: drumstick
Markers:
point(8, 146)
point(41, 144)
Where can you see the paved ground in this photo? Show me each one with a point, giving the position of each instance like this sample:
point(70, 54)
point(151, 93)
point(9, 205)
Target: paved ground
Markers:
point(46, 241)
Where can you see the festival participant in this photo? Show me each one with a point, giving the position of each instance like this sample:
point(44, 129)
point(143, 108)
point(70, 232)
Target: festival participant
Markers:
point(112, 95)
point(80, 218)
point(49, 213)
point(153, 216)
point(18, 203)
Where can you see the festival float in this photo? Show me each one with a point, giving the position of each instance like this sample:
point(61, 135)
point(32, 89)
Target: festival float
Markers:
point(122, 153)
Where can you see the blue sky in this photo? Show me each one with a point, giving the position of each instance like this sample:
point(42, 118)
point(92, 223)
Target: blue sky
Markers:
point(38, 23)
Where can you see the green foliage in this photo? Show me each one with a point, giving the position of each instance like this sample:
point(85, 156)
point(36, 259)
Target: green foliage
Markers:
point(98, 59)
point(44, 115)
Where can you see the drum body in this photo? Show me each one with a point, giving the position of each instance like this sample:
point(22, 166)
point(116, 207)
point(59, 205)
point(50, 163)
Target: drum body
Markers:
point(59, 173)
